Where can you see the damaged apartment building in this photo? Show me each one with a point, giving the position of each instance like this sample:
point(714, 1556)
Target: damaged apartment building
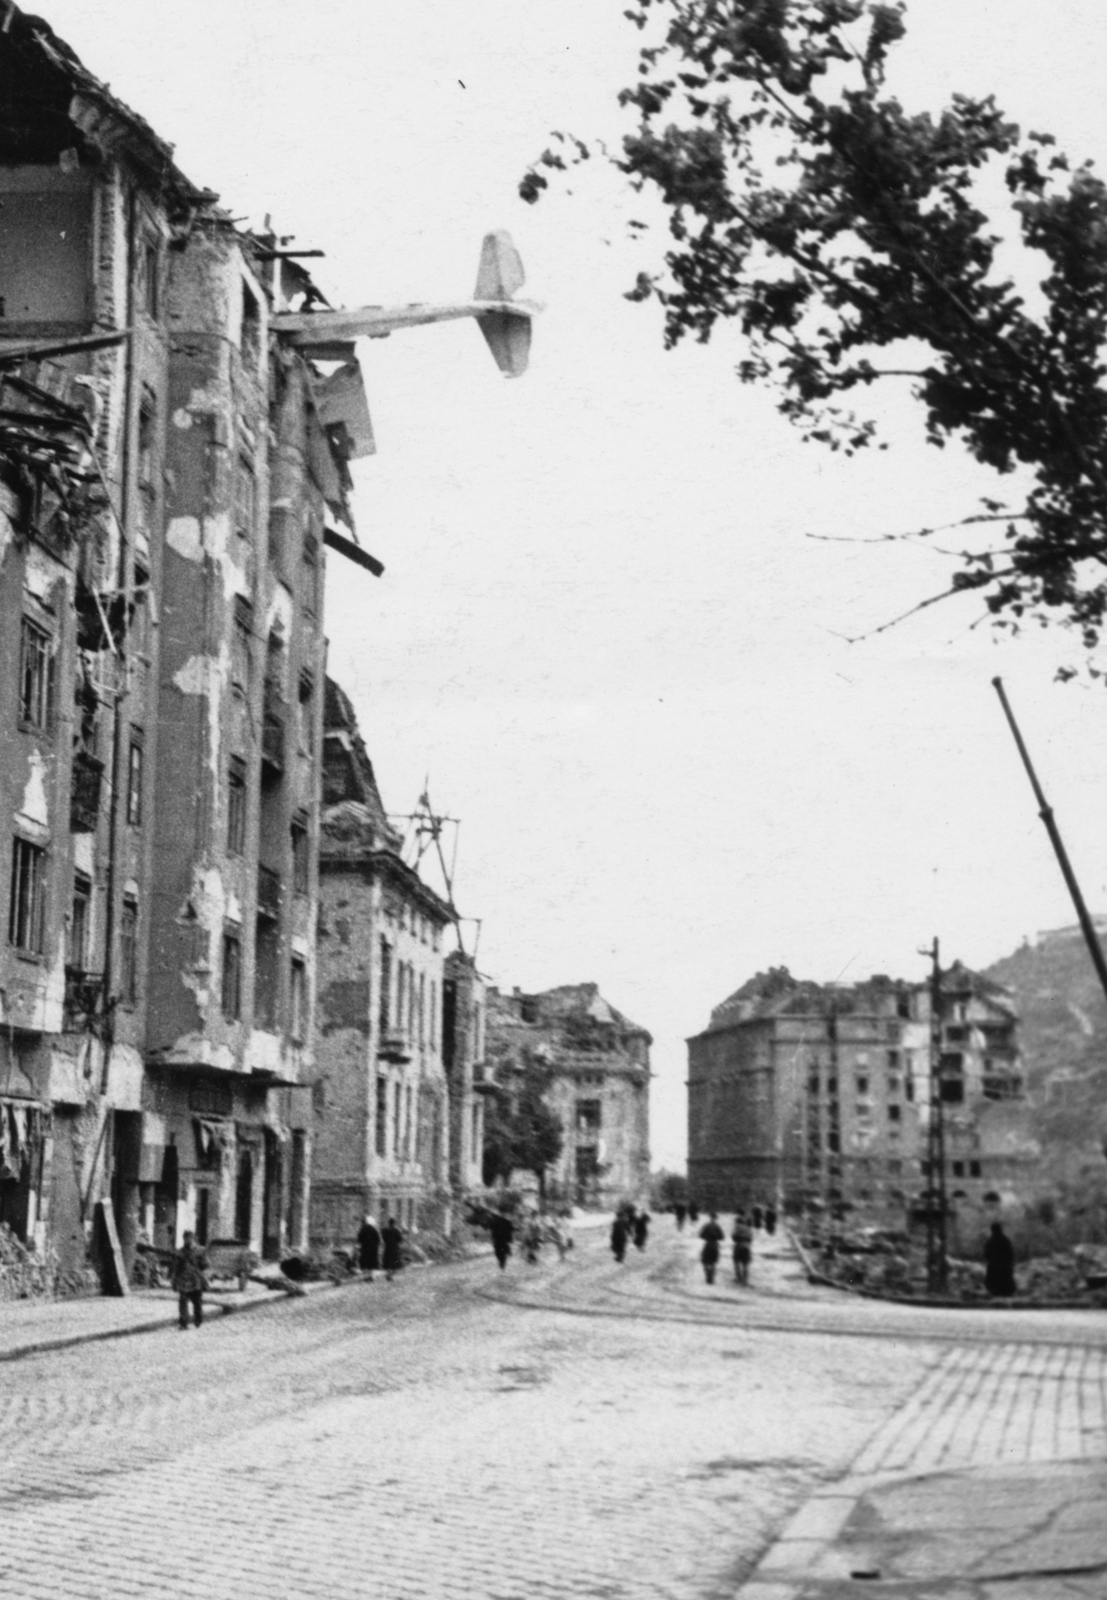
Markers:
point(818, 1097)
point(399, 1118)
point(171, 468)
point(599, 1064)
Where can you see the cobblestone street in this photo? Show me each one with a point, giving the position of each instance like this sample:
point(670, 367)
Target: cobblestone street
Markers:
point(415, 1438)
point(570, 1430)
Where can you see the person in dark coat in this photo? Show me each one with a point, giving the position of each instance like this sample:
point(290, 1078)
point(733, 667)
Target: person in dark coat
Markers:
point(741, 1239)
point(369, 1246)
point(502, 1230)
point(190, 1266)
point(999, 1263)
point(756, 1216)
point(693, 1213)
point(641, 1229)
point(619, 1237)
point(392, 1239)
point(770, 1220)
point(679, 1218)
point(712, 1236)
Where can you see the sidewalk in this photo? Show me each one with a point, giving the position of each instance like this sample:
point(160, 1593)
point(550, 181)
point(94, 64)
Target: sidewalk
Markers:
point(28, 1327)
point(989, 1484)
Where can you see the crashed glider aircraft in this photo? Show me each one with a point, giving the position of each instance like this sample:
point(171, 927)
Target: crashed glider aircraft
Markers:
point(504, 321)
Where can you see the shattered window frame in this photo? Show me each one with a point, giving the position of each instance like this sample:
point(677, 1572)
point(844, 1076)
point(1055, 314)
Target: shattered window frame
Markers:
point(27, 897)
point(236, 806)
point(128, 953)
point(37, 649)
point(230, 988)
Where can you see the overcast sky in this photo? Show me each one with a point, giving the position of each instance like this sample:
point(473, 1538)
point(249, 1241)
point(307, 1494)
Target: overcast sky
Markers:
point(604, 631)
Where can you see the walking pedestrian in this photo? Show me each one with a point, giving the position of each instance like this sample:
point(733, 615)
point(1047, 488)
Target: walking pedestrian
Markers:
point(693, 1213)
point(679, 1210)
point(392, 1240)
point(757, 1217)
point(369, 1247)
point(502, 1230)
point(641, 1229)
point(741, 1239)
point(619, 1236)
point(532, 1239)
point(999, 1263)
point(770, 1221)
point(190, 1266)
point(712, 1236)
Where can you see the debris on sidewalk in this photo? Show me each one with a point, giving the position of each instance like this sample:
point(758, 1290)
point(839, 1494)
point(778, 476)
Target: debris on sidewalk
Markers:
point(27, 1275)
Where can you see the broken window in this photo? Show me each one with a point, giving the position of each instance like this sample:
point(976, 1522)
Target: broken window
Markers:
point(245, 496)
point(893, 1060)
point(386, 988)
point(298, 1000)
point(250, 343)
point(232, 975)
point(309, 585)
point(894, 1113)
point(306, 712)
point(27, 906)
point(862, 1086)
point(958, 1169)
point(149, 268)
point(80, 919)
point(301, 855)
point(382, 1117)
point(240, 645)
point(974, 1169)
point(36, 676)
point(135, 762)
point(128, 952)
point(267, 946)
point(589, 1116)
point(236, 806)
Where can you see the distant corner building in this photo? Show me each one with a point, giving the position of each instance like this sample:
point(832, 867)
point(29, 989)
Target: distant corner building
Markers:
point(818, 1096)
point(600, 1062)
point(399, 1116)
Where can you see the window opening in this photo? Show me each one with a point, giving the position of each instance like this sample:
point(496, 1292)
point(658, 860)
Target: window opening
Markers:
point(36, 676)
point(128, 950)
point(236, 806)
point(26, 911)
point(232, 976)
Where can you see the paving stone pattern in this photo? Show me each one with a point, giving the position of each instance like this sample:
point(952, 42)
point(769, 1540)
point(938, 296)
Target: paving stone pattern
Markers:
point(417, 1439)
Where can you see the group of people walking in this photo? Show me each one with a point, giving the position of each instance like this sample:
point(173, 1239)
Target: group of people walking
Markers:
point(380, 1248)
point(629, 1224)
point(741, 1241)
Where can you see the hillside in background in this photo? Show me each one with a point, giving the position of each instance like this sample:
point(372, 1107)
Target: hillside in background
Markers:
point(1064, 1041)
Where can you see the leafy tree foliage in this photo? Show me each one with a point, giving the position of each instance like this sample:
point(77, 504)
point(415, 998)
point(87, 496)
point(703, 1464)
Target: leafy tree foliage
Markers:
point(854, 242)
point(521, 1132)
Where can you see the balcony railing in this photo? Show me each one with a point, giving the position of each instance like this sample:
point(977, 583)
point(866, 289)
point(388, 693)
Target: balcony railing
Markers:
point(84, 996)
point(84, 798)
point(269, 893)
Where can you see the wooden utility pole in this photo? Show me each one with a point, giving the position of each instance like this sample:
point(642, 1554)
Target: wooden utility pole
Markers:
point(937, 1262)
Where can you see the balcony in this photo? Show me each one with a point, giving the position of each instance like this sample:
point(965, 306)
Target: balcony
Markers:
point(84, 997)
point(394, 1045)
point(84, 798)
point(269, 893)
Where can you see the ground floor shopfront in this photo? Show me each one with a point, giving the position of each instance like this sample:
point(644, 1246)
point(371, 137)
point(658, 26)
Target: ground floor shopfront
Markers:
point(92, 1142)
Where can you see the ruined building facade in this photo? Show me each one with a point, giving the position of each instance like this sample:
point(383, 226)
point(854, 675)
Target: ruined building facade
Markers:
point(400, 1020)
point(818, 1097)
point(170, 471)
point(600, 1063)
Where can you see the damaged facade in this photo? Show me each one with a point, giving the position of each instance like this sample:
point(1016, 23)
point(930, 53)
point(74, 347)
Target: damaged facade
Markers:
point(170, 471)
point(818, 1096)
point(600, 1087)
point(399, 1021)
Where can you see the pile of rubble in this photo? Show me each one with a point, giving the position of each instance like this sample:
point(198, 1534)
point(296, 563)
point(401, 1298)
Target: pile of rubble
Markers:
point(25, 1275)
point(893, 1265)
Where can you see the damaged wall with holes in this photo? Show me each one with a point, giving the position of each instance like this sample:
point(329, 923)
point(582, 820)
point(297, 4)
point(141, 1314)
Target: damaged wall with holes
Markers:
point(170, 472)
point(819, 1096)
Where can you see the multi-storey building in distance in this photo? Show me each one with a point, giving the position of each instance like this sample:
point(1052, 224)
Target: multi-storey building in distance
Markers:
point(600, 1081)
point(818, 1096)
